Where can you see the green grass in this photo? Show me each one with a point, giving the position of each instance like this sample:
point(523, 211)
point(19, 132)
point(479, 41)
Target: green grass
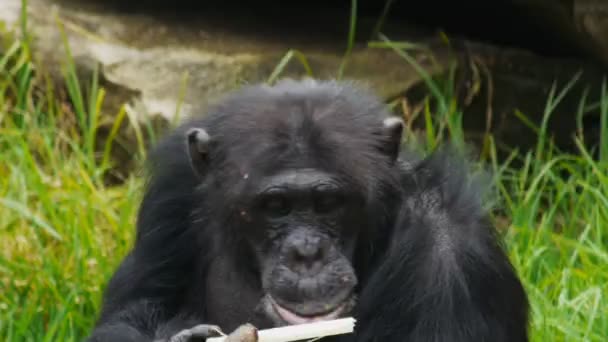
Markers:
point(62, 231)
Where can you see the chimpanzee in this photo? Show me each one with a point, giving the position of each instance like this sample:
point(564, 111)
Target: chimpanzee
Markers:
point(298, 202)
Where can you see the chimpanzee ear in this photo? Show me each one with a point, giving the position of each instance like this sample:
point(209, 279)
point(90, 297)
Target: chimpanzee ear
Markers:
point(392, 131)
point(199, 144)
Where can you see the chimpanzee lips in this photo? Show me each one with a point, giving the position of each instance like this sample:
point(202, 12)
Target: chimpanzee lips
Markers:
point(292, 317)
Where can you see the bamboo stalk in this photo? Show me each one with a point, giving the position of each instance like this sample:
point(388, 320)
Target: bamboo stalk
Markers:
point(302, 331)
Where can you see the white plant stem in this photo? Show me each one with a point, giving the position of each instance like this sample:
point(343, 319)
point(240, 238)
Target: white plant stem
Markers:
point(302, 331)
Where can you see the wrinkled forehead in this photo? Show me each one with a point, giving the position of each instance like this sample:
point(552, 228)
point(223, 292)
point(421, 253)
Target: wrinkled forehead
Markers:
point(297, 178)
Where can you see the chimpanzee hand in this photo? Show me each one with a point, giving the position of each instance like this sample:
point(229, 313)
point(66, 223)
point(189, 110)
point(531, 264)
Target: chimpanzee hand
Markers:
point(244, 333)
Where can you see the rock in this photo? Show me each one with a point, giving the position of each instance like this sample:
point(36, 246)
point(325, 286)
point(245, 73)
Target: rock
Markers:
point(166, 62)
point(591, 19)
point(580, 24)
point(159, 65)
point(168, 66)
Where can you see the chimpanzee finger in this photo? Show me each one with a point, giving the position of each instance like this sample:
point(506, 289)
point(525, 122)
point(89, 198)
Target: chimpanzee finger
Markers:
point(201, 331)
point(244, 333)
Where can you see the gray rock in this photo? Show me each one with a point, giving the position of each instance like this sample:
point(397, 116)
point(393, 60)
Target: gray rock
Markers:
point(168, 64)
point(591, 18)
point(163, 62)
point(582, 24)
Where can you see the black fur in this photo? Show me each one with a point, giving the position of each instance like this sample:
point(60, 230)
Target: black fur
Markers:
point(445, 276)
point(429, 265)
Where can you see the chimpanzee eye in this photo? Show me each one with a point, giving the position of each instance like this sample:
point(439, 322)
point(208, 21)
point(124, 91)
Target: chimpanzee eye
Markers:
point(328, 202)
point(276, 205)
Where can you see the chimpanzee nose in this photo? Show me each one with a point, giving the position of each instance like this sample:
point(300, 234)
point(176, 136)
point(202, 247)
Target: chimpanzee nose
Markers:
point(306, 252)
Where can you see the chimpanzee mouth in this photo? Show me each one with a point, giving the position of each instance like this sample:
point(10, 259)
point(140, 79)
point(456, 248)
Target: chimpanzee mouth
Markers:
point(292, 317)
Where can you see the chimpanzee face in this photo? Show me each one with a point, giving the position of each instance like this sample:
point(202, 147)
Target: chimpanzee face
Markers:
point(298, 177)
point(302, 225)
